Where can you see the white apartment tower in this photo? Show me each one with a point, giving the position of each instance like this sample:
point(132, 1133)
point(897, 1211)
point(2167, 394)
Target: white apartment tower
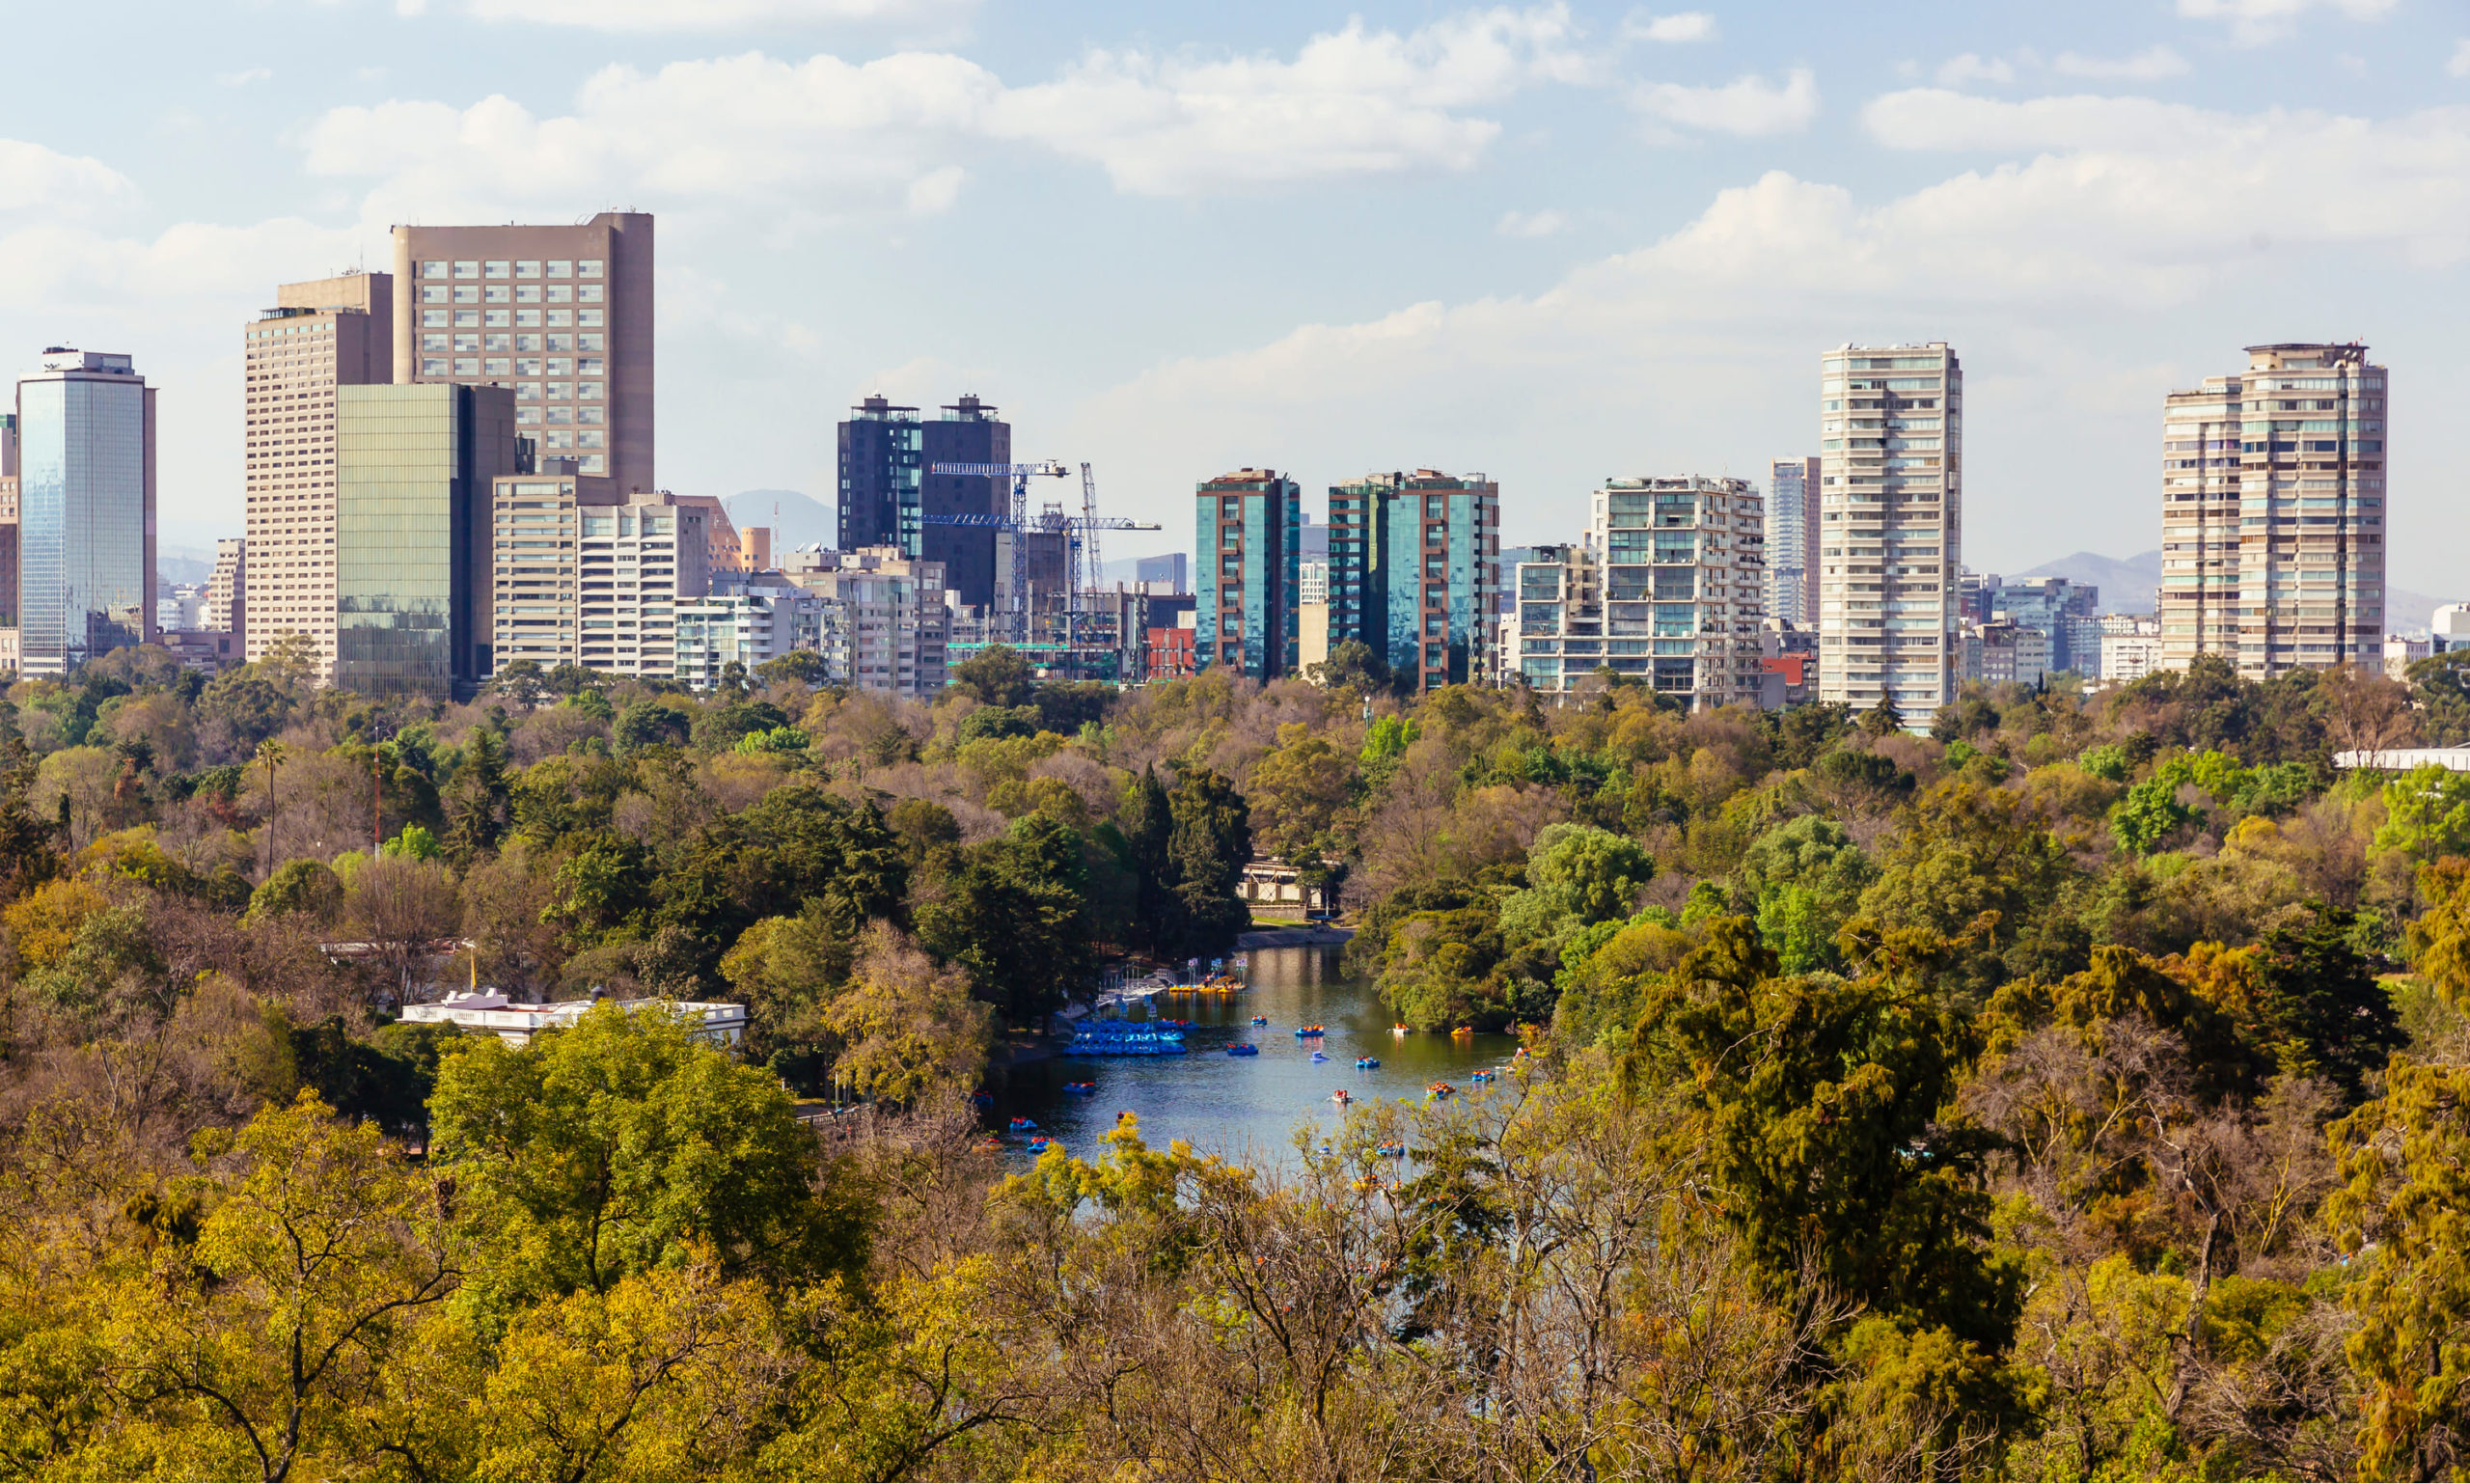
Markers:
point(1890, 526)
point(1666, 592)
point(2272, 513)
point(587, 576)
point(321, 335)
point(1792, 542)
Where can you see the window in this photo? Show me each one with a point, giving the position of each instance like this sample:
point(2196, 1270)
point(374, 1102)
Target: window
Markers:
point(470, 343)
point(588, 293)
point(467, 294)
point(496, 269)
point(434, 318)
point(498, 293)
point(560, 293)
point(432, 342)
point(467, 367)
point(560, 413)
point(589, 267)
point(528, 316)
point(467, 269)
point(589, 318)
point(497, 367)
point(526, 343)
point(497, 319)
point(530, 367)
point(432, 368)
point(466, 318)
point(560, 388)
point(588, 342)
point(527, 294)
point(558, 268)
point(432, 269)
point(527, 268)
point(495, 343)
point(432, 293)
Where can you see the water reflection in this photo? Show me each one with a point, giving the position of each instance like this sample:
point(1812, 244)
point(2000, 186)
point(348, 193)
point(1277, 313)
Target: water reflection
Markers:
point(1231, 1105)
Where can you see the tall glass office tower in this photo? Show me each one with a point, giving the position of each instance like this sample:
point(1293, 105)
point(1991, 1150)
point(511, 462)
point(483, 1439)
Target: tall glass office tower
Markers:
point(1248, 526)
point(86, 509)
point(414, 471)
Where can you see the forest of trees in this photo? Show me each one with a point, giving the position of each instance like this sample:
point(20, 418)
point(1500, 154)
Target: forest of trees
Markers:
point(2079, 1091)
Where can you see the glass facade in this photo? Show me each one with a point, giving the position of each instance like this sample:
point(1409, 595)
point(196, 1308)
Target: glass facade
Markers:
point(1414, 573)
point(413, 473)
point(1248, 529)
point(86, 511)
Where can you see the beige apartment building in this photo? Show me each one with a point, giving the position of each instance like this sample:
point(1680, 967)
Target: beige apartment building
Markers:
point(2272, 512)
point(1890, 526)
point(562, 314)
point(322, 333)
point(227, 589)
point(589, 576)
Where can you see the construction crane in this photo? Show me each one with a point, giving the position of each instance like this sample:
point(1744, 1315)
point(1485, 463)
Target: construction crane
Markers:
point(1020, 475)
point(1080, 557)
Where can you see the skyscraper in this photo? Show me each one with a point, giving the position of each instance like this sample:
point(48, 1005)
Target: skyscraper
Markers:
point(1413, 572)
point(881, 446)
point(975, 559)
point(322, 333)
point(561, 315)
point(1792, 542)
point(1245, 527)
point(616, 609)
point(414, 471)
point(85, 509)
point(1890, 524)
point(2272, 512)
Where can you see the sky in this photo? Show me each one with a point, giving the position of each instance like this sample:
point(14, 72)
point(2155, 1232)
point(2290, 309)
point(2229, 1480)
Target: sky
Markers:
point(1553, 243)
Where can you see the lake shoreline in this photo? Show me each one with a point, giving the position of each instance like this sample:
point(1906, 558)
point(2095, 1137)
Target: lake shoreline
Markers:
point(1319, 936)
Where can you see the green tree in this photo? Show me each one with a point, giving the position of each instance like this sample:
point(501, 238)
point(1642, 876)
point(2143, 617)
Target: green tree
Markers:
point(2404, 1218)
point(1011, 914)
point(2426, 812)
point(622, 1144)
point(2325, 1000)
point(1302, 798)
point(308, 1273)
point(1803, 880)
point(1211, 844)
point(479, 801)
point(1825, 1110)
point(996, 675)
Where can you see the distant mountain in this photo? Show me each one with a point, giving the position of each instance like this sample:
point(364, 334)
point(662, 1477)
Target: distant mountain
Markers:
point(182, 563)
point(2128, 587)
point(802, 522)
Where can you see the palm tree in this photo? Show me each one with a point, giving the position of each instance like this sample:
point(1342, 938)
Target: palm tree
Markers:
point(271, 755)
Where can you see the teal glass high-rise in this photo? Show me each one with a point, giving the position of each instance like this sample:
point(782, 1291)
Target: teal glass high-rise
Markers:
point(1414, 573)
point(1248, 559)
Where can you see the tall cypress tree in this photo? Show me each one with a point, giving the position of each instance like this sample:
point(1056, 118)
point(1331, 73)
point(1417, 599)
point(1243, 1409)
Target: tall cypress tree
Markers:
point(1211, 843)
point(1148, 826)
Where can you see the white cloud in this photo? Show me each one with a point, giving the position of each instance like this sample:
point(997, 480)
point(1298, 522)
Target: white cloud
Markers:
point(705, 16)
point(933, 193)
point(1747, 105)
point(1682, 26)
point(33, 177)
point(2150, 65)
point(2458, 65)
point(243, 77)
point(2255, 22)
point(1351, 102)
point(1956, 72)
point(2119, 224)
point(1531, 224)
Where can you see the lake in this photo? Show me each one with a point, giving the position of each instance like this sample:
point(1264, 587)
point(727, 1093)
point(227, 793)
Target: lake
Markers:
point(1233, 1105)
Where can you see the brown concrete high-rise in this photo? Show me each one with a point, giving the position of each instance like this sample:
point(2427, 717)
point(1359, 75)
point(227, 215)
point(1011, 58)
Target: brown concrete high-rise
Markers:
point(562, 314)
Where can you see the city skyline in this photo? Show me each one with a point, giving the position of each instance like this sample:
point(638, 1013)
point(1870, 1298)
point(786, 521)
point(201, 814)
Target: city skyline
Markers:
point(2009, 191)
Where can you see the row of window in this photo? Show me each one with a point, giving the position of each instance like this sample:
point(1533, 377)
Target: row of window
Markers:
point(512, 318)
point(474, 345)
point(500, 293)
point(512, 267)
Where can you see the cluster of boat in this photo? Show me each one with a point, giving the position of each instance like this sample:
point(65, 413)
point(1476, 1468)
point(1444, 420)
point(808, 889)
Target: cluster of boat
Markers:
point(1242, 1048)
point(1126, 1038)
point(1438, 1090)
point(1304, 1033)
point(1366, 1063)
